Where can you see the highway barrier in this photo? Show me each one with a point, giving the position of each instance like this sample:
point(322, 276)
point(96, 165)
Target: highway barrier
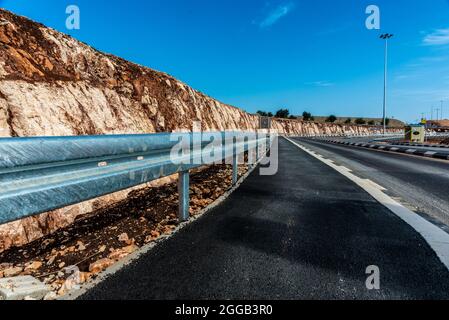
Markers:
point(41, 174)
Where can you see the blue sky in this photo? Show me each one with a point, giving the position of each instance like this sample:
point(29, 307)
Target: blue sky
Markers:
point(302, 55)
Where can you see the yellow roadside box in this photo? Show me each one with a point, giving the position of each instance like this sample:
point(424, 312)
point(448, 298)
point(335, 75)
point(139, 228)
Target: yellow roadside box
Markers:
point(415, 133)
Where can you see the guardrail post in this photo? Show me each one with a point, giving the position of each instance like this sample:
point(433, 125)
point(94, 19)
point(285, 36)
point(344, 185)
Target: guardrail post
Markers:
point(257, 147)
point(268, 145)
point(235, 166)
point(184, 197)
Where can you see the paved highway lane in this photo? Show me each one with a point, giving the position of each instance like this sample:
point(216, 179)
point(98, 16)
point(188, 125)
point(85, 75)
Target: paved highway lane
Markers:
point(419, 183)
point(305, 233)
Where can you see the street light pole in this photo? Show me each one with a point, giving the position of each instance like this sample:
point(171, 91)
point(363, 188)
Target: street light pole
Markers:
point(385, 37)
point(442, 102)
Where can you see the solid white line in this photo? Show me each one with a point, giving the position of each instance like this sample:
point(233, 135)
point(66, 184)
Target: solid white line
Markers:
point(437, 239)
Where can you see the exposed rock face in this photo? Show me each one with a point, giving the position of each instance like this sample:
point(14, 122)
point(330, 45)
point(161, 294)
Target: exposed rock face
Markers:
point(52, 84)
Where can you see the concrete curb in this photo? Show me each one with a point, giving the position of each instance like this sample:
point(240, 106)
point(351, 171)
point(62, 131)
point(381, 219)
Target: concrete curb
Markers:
point(406, 149)
point(421, 145)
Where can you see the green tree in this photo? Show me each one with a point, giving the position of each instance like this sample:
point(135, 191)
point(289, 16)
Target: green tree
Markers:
point(307, 116)
point(387, 121)
point(371, 122)
point(262, 113)
point(360, 121)
point(348, 121)
point(292, 117)
point(331, 118)
point(270, 114)
point(282, 113)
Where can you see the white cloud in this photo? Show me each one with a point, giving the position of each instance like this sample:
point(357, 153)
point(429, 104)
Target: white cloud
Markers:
point(437, 38)
point(276, 14)
point(320, 84)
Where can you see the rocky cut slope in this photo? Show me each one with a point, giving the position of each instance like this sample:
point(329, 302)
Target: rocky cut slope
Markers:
point(52, 84)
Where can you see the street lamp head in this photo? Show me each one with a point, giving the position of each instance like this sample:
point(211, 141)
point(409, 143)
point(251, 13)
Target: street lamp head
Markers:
point(386, 36)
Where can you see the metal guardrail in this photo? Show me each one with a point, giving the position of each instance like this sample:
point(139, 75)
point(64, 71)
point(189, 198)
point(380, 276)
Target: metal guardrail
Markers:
point(46, 173)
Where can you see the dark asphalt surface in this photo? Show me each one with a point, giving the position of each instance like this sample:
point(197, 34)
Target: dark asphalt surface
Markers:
point(305, 233)
point(419, 183)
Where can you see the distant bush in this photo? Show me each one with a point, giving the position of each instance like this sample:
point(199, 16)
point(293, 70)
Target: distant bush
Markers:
point(265, 114)
point(331, 119)
point(348, 121)
point(307, 116)
point(282, 113)
point(371, 122)
point(360, 121)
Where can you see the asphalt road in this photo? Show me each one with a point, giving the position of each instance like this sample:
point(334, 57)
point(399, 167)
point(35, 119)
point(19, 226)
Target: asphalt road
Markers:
point(419, 183)
point(305, 233)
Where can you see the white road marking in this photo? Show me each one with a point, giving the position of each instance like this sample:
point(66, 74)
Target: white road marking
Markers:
point(437, 239)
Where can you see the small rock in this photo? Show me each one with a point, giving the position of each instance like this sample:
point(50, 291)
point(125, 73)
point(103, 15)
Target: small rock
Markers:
point(51, 296)
point(23, 287)
point(81, 246)
point(100, 265)
point(35, 265)
point(51, 260)
point(102, 248)
point(61, 265)
point(5, 265)
point(85, 276)
point(123, 237)
point(148, 239)
point(69, 284)
point(12, 272)
point(123, 252)
point(47, 242)
point(168, 229)
point(155, 234)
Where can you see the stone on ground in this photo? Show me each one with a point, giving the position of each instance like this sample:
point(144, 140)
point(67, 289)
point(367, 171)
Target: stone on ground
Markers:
point(19, 288)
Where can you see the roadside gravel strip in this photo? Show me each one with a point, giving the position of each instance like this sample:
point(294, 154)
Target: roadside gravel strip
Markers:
point(437, 239)
point(408, 149)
